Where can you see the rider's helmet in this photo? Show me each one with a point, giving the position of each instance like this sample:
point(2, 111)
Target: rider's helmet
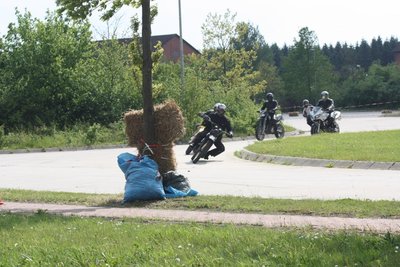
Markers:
point(221, 109)
point(270, 96)
point(306, 103)
point(324, 95)
point(216, 106)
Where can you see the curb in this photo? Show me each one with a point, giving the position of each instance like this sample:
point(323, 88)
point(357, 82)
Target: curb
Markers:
point(299, 161)
point(379, 225)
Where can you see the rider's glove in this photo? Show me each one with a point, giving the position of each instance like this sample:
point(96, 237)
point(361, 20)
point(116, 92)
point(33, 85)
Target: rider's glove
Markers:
point(230, 134)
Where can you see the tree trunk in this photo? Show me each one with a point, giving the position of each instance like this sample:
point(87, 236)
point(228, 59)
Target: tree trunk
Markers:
point(148, 109)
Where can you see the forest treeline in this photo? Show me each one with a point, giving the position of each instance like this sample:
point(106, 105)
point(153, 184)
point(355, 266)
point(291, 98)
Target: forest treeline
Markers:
point(52, 74)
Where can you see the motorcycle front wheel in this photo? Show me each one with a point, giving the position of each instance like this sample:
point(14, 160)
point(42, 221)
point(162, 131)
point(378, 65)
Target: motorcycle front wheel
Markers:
point(279, 131)
point(260, 130)
point(336, 127)
point(315, 128)
point(201, 152)
point(189, 150)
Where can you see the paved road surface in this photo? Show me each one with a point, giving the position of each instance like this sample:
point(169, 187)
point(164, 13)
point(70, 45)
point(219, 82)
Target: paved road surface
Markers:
point(96, 171)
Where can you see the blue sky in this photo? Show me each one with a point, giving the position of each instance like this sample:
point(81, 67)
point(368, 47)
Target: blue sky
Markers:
point(279, 21)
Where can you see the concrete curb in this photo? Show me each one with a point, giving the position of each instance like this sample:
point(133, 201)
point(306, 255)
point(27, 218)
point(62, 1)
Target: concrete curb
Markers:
point(298, 161)
point(378, 225)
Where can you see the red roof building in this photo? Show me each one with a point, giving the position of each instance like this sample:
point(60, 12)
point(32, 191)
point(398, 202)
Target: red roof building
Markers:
point(171, 45)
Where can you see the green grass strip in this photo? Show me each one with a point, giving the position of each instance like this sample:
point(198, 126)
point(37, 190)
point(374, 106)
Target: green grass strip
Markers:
point(48, 240)
point(342, 207)
point(382, 146)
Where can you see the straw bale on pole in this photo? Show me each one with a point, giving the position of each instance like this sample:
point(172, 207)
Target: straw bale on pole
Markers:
point(169, 126)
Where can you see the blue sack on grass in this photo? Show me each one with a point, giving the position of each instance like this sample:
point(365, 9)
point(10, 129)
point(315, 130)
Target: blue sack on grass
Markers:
point(143, 181)
point(171, 192)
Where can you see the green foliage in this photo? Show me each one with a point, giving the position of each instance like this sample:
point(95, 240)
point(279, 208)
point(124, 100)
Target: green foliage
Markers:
point(1, 136)
point(379, 85)
point(307, 71)
point(37, 60)
point(80, 135)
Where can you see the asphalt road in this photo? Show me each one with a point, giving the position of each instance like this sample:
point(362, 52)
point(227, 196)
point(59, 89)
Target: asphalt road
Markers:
point(96, 171)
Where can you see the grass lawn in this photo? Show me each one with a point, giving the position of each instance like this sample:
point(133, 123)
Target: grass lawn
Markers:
point(49, 240)
point(42, 239)
point(341, 207)
point(383, 146)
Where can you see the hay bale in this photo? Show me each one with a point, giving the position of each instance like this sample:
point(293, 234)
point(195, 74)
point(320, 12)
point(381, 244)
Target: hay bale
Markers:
point(165, 158)
point(168, 119)
point(169, 126)
point(169, 122)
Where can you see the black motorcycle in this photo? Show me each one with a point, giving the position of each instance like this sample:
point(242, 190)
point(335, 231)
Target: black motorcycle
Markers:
point(201, 149)
point(274, 126)
point(189, 149)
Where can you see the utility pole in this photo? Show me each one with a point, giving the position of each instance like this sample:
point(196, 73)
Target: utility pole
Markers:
point(181, 49)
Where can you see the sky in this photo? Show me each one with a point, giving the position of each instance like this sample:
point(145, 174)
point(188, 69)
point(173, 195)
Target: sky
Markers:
point(279, 21)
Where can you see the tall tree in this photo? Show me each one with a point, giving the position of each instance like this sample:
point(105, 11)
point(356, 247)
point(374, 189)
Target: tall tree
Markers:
point(306, 70)
point(37, 59)
point(81, 9)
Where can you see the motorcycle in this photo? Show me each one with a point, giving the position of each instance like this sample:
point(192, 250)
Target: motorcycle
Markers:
point(189, 149)
point(322, 123)
point(275, 126)
point(201, 149)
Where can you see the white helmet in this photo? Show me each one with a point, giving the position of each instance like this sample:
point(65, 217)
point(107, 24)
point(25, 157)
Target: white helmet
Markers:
point(216, 106)
point(221, 108)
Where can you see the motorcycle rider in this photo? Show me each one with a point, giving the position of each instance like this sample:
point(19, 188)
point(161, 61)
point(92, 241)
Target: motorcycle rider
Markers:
point(223, 122)
point(306, 111)
point(196, 137)
point(270, 105)
point(327, 104)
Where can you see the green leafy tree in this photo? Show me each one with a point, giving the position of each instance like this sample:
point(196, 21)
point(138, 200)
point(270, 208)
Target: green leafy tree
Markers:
point(103, 85)
point(380, 84)
point(81, 9)
point(229, 71)
point(37, 58)
point(307, 71)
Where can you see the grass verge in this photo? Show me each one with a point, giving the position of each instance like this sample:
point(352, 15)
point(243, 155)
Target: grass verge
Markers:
point(382, 146)
point(341, 207)
point(48, 240)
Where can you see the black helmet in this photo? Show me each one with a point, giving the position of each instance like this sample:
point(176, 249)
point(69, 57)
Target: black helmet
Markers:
point(306, 102)
point(324, 94)
point(270, 96)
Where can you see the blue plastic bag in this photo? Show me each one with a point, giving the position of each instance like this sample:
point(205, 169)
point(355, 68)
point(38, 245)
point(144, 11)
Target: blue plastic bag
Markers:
point(143, 181)
point(171, 192)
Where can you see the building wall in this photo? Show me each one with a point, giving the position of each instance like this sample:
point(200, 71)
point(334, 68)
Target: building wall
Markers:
point(172, 49)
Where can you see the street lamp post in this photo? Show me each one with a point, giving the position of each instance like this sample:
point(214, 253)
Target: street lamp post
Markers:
point(181, 48)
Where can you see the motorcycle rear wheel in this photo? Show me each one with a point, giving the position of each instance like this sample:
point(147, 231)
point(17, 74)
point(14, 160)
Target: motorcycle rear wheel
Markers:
point(279, 131)
point(260, 130)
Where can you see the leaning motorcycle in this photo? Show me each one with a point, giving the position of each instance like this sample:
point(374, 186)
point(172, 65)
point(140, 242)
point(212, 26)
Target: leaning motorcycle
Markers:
point(321, 121)
point(199, 128)
point(201, 149)
point(275, 126)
